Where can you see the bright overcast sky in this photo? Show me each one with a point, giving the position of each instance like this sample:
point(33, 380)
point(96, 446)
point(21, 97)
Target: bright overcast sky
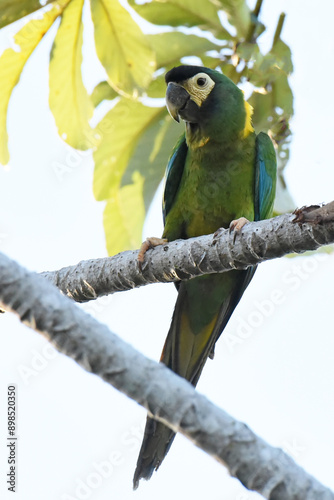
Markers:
point(274, 367)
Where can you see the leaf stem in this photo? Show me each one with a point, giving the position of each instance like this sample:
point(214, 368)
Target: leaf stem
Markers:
point(279, 28)
point(254, 18)
point(257, 9)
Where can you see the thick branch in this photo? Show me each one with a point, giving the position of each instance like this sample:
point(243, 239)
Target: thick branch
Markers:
point(184, 259)
point(166, 396)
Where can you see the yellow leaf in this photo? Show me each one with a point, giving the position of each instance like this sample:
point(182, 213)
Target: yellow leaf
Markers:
point(12, 63)
point(119, 130)
point(68, 99)
point(122, 47)
point(124, 216)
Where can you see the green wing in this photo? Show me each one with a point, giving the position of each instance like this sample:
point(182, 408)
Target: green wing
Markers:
point(173, 174)
point(265, 177)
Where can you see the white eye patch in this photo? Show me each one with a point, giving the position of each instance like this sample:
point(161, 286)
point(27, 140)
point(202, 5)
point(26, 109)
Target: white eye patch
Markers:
point(199, 87)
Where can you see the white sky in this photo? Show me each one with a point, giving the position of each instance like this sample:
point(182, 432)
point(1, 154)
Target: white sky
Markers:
point(273, 369)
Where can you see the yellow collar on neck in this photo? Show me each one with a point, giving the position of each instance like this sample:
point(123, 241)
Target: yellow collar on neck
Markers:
point(248, 121)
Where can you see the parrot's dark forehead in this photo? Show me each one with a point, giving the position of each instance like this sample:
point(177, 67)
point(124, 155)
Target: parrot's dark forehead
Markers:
point(182, 73)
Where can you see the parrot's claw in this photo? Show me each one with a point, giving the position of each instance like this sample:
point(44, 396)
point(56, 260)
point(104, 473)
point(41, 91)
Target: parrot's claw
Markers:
point(146, 245)
point(216, 235)
point(236, 226)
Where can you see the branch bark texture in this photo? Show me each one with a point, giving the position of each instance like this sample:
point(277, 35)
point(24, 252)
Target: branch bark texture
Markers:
point(185, 259)
point(165, 395)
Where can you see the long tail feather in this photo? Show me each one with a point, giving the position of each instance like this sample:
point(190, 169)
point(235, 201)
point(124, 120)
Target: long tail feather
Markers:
point(156, 443)
point(202, 310)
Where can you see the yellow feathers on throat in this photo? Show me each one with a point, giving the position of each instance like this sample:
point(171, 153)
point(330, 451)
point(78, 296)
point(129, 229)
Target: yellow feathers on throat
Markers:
point(248, 121)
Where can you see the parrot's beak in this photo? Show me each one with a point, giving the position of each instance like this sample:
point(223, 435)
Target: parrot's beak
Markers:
point(176, 99)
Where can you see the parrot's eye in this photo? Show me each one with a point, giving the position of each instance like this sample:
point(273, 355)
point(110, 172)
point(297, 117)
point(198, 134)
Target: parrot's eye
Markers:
point(201, 81)
point(199, 87)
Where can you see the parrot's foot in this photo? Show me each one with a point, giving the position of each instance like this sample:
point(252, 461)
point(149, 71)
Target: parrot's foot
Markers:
point(236, 226)
point(146, 245)
point(216, 235)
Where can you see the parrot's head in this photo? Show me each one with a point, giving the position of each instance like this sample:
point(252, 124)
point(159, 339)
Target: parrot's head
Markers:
point(210, 103)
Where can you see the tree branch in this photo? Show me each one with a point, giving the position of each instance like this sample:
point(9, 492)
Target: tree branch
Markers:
point(185, 259)
point(168, 397)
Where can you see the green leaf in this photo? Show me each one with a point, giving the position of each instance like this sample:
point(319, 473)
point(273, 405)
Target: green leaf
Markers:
point(157, 87)
point(68, 99)
point(120, 131)
point(124, 216)
point(270, 67)
point(122, 47)
point(283, 56)
point(283, 97)
point(248, 50)
point(12, 63)
point(211, 62)
point(238, 14)
point(201, 13)
point(263, 109)
point(11, 10)
point(151, 155)
point(171, 46)
point(101, 92)
point(230, 71)
point(273, 108)
point(264, 70)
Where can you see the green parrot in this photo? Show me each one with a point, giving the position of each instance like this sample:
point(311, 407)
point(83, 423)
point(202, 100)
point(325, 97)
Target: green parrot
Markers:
point(219, 175)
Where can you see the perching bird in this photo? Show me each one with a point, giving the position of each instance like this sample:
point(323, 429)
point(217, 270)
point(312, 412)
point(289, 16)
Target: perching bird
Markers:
point(220, 173)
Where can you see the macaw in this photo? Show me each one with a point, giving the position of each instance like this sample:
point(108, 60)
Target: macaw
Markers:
point(219, 175)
